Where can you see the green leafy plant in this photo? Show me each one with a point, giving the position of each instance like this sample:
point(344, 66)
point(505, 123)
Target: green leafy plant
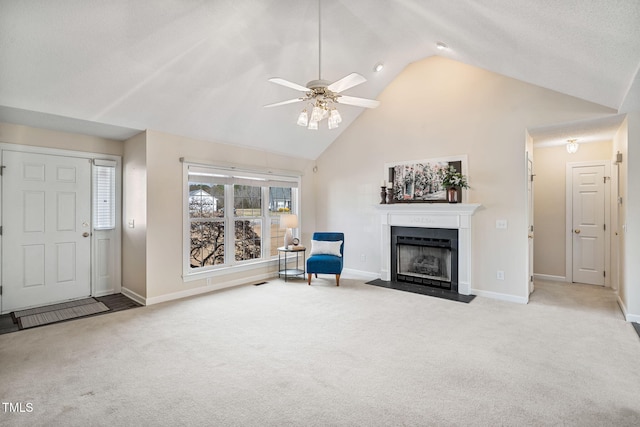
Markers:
point(452, 178)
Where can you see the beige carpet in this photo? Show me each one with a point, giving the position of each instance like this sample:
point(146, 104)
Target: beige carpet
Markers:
point(355, 355)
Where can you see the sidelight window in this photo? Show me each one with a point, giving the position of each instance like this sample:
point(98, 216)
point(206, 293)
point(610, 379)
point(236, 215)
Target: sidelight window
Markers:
point(104, 194)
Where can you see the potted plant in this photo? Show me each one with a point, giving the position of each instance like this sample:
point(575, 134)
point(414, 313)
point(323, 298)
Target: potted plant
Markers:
point(452, 181)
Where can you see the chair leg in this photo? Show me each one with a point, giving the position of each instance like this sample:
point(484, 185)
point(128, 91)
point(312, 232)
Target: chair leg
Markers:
point(337, 280)
point(309, 279)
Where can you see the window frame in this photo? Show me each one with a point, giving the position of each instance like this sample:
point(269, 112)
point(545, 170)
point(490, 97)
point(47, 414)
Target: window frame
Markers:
point(232, 175)
point(98, 190)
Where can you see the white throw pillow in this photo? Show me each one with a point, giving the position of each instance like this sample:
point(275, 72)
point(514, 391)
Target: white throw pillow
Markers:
point(324, 247)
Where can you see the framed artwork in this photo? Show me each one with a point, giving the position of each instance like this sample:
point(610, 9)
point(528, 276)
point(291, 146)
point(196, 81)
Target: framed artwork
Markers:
point(420, 181)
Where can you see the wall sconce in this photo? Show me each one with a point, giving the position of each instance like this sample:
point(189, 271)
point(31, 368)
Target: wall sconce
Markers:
point(572, 146)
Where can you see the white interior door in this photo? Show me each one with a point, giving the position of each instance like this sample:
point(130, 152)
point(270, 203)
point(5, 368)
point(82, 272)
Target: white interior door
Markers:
point(46, 244)
point(588, 200)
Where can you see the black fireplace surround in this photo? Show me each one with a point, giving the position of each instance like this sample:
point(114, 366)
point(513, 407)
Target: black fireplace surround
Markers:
point(425, 256)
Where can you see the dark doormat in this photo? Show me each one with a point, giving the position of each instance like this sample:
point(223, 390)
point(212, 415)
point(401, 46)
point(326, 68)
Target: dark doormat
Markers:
point(63, 312)
point(636, 326)
point(60, 314)
point(423, 290)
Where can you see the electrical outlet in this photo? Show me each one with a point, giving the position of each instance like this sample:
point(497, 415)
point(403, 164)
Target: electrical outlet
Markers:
point(363, 258)
point(501, 224)
point(500, 275)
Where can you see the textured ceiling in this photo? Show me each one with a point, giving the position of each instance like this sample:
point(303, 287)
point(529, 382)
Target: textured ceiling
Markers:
point(200, 68)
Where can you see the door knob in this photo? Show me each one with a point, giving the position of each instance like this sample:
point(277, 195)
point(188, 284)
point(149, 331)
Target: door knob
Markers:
point(577, 231)
point(85, 234)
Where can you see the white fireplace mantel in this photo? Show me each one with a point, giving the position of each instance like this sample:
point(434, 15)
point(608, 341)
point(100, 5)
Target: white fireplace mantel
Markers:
point(430, 215)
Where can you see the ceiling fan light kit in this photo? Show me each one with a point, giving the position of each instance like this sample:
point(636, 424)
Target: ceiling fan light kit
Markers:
point(322, 95)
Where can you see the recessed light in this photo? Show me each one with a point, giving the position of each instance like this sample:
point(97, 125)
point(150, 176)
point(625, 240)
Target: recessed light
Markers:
point(378, 67)
point(441, 46)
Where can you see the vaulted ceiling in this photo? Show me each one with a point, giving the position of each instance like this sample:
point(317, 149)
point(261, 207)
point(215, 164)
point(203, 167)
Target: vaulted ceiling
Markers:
point(200, 68)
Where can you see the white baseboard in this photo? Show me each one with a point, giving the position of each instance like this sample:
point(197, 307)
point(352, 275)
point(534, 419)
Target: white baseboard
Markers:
point(549, 277)
point(350, 273)
point(367, 275)
point(210, 288)
point(633, 318)
point(134, 296)
point(499, 296)
point(628, 316)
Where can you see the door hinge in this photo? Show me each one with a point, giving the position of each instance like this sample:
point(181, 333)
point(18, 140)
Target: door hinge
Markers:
point(2, 169)
point(0, 290)
point(531, 228)
point(532, 175)
point(605, 227)
point(0, 230)
point(604, 273)
point(531, 278)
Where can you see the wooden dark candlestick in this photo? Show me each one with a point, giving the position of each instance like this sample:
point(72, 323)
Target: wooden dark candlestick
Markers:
point(383, 195)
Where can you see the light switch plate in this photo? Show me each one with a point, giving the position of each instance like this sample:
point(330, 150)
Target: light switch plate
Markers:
point(501, 224)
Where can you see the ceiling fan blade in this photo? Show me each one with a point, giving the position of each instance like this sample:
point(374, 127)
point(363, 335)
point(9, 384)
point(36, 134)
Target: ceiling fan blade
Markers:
point(358, 102)
point(289, 101)
point(347, 82)
point(287, 83)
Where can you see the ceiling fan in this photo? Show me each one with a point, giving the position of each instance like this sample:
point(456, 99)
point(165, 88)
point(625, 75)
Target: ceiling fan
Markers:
point(323, 95)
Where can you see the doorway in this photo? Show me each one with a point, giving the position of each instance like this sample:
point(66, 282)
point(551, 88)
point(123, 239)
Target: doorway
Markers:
point(553, 208)
point(52, 249)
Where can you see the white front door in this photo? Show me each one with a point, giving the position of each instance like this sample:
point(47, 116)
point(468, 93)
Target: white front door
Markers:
point(588, 224)
point(46, 244)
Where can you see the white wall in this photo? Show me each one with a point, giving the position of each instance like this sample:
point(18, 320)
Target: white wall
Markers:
point(630, 289)
point(134, 209)
point(436, 108)
point(25, 135)
point(164, 193)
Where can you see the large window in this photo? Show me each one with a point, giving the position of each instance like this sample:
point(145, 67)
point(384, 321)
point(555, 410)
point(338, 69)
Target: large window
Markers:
point(233, 218)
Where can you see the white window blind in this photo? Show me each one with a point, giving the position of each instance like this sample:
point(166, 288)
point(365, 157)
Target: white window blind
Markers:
point(223, 176)
point(104, 195)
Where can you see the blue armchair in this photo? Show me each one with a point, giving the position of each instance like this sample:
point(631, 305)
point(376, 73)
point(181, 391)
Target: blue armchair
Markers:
point(326, 255)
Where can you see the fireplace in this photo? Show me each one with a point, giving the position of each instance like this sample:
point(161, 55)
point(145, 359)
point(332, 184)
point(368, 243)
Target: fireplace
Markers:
point(425, 256)
point(441, 216)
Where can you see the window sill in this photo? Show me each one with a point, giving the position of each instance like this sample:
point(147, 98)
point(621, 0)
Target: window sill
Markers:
point(223, 271)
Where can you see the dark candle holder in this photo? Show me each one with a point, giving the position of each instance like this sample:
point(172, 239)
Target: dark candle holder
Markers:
point(390, 196)
point(383, 195)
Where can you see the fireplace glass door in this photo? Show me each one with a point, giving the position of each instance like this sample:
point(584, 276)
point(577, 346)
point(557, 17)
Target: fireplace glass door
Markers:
point(424, 262)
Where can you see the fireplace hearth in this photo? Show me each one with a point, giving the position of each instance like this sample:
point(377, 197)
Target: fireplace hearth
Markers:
point(425, 256)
